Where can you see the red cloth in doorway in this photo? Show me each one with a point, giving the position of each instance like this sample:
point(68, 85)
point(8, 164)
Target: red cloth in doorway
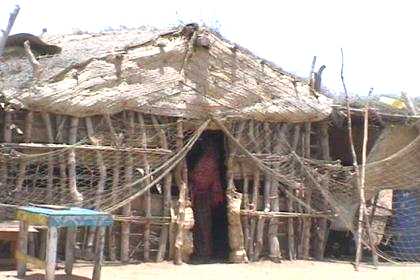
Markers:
point(205, 177)
point(207, 194)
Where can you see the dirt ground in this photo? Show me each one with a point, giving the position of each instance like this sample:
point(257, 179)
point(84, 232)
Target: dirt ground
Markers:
point(255, 271)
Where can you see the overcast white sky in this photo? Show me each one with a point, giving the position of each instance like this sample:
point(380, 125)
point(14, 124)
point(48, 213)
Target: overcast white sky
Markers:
point(379, 38)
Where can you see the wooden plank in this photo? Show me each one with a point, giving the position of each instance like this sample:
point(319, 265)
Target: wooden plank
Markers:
point(22, 248)
point(51, 253)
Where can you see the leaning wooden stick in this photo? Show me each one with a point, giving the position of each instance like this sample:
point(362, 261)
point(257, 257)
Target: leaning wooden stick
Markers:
point(363, 210)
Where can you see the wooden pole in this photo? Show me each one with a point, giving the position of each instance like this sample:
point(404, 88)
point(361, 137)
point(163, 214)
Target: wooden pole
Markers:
point(126, 211)
point(356, 170)
point(290, 203)
point(322, 230)
point(7, 137)
point(22, 248)
point(274, 245)
point(180, 178)
point(254, 202)
point(99, 187)
point(363, 209)
point(51, 254)
point(116, 169)
point(307, 222)
point(163, 241)
point(27, 138)
point(237, 252)
point(245, 205)
point(50, 173)
point(60, 121)
point(76, 196)
point(147, 197)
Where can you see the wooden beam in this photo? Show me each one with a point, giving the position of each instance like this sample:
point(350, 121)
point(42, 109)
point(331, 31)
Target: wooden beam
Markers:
point(85, 147)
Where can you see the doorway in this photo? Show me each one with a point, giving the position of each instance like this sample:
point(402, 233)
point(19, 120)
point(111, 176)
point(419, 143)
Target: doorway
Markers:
point(207, 186)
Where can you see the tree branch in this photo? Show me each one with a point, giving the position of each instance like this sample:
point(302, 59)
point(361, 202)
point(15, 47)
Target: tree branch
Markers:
point(6, 32)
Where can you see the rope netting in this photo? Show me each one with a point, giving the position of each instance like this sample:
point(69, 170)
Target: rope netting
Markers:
point(114, 161)
point(326, 188)
point(105, 162)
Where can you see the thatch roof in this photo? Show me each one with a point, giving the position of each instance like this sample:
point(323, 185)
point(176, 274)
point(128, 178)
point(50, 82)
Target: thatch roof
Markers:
point(181, 72)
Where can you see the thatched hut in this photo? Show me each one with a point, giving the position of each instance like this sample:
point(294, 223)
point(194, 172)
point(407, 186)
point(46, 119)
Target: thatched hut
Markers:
point(167, 130)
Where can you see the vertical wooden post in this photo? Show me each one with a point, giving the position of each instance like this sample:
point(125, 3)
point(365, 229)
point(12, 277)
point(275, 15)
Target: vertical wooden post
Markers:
point(291, 222)
point(307, 222)
point(322, 231)
point(245, 203)
point(147, 197)
point(237, 252)
point(60, 121)
point(180, 177)
point(255, 192)
point(275, 253)
point(50, 172)
point(166, 195)
point(27, 138)
point(7, 138)
point(99, 253)
point(266, 198)
point(99, 187)
point(22, 248)
point(116, 169)
point(51, 254)
point(77, 197)
point(125, 226)
point(70, 247)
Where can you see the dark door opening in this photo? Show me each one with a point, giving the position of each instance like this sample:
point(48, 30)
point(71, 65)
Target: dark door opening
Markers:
point(206, 181)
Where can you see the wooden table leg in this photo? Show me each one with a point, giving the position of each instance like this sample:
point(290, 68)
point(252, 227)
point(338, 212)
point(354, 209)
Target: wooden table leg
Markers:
point(100, 241)
point(70, 247)
point(22, 249)
point(51, 254)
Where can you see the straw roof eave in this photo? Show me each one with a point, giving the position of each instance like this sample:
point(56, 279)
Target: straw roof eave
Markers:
point(149, 72)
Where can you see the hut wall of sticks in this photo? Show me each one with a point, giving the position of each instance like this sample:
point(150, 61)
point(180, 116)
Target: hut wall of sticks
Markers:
point(183, 136)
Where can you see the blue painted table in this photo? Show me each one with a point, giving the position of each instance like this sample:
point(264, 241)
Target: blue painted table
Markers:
point(53, 219)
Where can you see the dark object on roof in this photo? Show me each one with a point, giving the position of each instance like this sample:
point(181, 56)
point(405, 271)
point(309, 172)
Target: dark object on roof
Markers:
point(37, 45)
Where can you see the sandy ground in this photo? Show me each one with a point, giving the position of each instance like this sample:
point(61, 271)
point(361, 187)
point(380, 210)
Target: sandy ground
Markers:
point(256, 271)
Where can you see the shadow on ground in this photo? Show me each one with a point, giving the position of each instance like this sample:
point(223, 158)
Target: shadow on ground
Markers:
point(39, 276)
